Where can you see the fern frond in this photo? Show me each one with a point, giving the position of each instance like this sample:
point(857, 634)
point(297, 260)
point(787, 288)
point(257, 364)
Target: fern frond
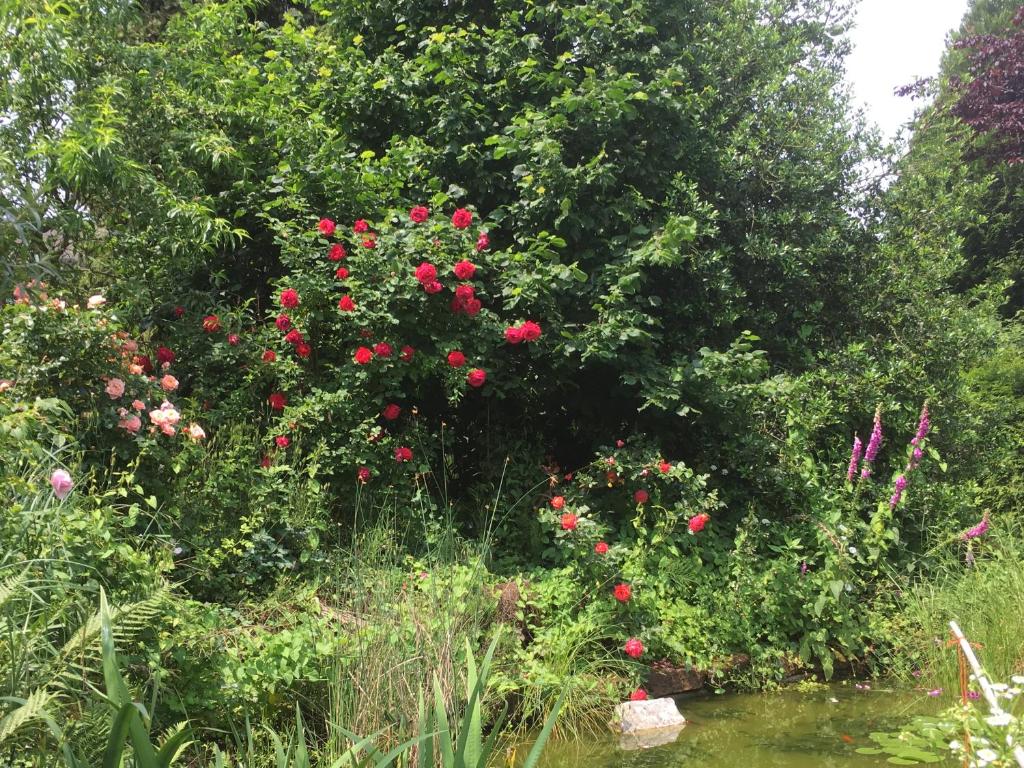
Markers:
point(34, 708)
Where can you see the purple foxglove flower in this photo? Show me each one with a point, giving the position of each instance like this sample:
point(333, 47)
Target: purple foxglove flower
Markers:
point(923, 424)
point(901, 485)
point(979, 530)
point(854, 458)
point(874, 443)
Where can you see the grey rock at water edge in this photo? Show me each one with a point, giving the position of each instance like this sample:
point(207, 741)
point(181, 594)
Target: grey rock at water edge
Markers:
point(649, 723)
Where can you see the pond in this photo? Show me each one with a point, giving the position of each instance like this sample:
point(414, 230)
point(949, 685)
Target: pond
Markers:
point(818, 728)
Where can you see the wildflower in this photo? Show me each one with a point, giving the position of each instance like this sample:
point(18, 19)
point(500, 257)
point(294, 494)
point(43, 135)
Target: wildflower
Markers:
point(114, 388)
point(289, 298)
point(326, 227)
point(623, 592)
point(364, 475)
point(482, 241)
point(282, 441)
point(462, 218)
point(337, 252)
point(935, 692)
point(426, 273)
point(211, 323)
point(1000, 719)
point(601, 548)
point(419, 213)
point(403, 454)
point(283, 323)
point(923, 424)
point(697, 522)
point(277, 401)
point(634, 648)
point(558, 502)
point(95, 302)
point(973, 695)
point(168, 383)
point(195, 432)
point(641, 496)
point(456, 359)
point(476, 377)
point(874, 443)
point(382, 349)
point(464, 270)
point(638, 695)
point(361, 225)
point(855, 454)
point(978, 530)
point(164, 355)
point(391, 411)
point(901, 485)
point(61, 483)
point(363, 355)
point(407, 353)
point(345, 303)
point(569, 521)
point(269, 356)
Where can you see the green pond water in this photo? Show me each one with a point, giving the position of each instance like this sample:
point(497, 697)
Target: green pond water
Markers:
point(820, 728)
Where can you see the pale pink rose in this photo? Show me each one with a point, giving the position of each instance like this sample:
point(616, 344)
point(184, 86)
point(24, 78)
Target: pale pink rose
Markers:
point(138, 405)
point(130, 347)
point(59, 304)
point(115, 388)
point(196, 432)
point(61, 483)
point(165, 417)
point(131, 423)
point(135, 369)
point(168, 383)
point(95, 302)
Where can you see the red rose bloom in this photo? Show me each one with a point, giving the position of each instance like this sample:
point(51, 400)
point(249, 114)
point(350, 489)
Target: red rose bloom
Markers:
point(531, 331)
point(370, 241)
point(144, 362)
point(569, 521)
point(283, 323)
point(432, 287)
point(383, 349)
point(641, 496)
point(341, 273)
point(289, 298)
point(326, 227)
point(558, 502)
point(364, 475)
point(426, 273)
point(456, 306)
point(664, 467)
point(464, 292)
point(164, 355)
point(482, 241)
point(403, 454)
point(472, 307)
point(282, 441)
point(363, 355)
point(638, 695)
point(303, 350)
point(464, 270)
point(634, 648)
point(277, 401)
point(179, 312)
point(456, 359)
point(601, 548)
point(345, 303)
point(265, 462)
point(623, 592)
point(697, 522)
point(513, 334)
point(419, 213)
point(407, 353)
point(269, 356)
point(337, 252)
point(361, 225)
point(462, 218)
point(234, 339)
point(293, 336)
point(476, 377)
point(391, 411)
point(211, 323)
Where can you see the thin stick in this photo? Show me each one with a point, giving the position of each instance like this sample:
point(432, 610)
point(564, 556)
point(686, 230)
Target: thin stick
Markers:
point(983, 681)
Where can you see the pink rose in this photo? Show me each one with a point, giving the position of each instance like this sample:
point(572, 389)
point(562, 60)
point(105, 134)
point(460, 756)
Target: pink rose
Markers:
point(115, 388)
point(61, 483)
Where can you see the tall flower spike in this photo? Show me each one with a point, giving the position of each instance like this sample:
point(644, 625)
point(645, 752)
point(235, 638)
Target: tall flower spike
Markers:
point(855, 454)
point(923, 424)
point(901, 485)
point(874, 443)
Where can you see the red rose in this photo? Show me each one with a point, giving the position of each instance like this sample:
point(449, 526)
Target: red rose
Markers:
point(558, 502)
point(456, 359)
point(164, 355)
point(364, 475)
point(326, 227)
point(403, 454)
point(641, 496)
point(283, 323)
point(664, 467)
point(345, 303)
point(211, 323)
point(462, 218)
point(569, 521)
point(531, 331)
point(638, 695)
point(303, 350)
point(293, 336)
point(269, 356)
point(634, 648)
point(337, 252)
point(341, 273)
point(383, 349)
point(697, 522)
point(289, 298)
point(476, 377)
point(482, 241)
point(464, 270)
point(265, 462)
point(277, 401)
point(601, 548)
point(144, 362)
point(620, 443)
point(464, 292)
point(513, 334)
point(370, 241)
point(282, 441)
point(456, 306)
point(426, 273)
point(363, 355)
point(432, 287)
point(391, 411)
point(472, 307)
point(234, 339)
point(419, 213)
point(179, 312)
point(623, 592)
point(361, 225)
point(407, 353)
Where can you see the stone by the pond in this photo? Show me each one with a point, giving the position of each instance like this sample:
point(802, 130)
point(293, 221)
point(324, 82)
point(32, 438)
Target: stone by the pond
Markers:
point(649, 715)
point(629, 742)
point(666, 679)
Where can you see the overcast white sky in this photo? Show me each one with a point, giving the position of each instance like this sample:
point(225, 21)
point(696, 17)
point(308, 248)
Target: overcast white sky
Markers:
point(894, 43)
